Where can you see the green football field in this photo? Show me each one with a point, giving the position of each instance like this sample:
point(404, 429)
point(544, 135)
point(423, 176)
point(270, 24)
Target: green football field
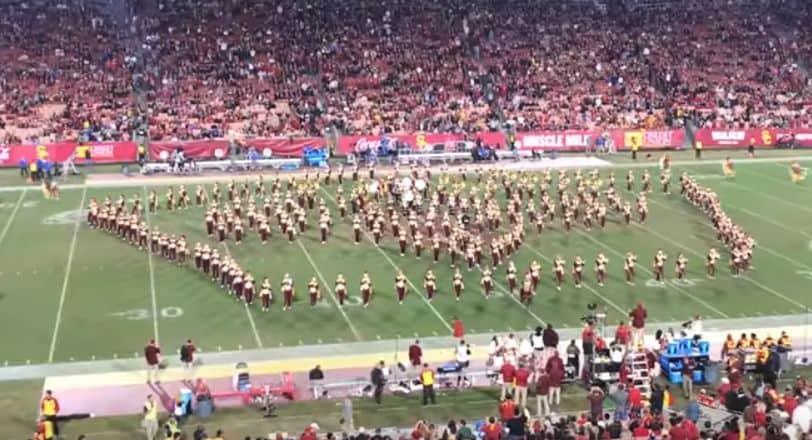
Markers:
point(70, 293)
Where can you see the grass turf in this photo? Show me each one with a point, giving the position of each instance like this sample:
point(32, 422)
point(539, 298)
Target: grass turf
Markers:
point(102, 289)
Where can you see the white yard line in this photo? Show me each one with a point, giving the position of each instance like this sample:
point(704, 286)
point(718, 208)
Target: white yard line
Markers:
point(648, 271)
point(395, 266)
point(65, 281)
point(769, 196)
point(622, 311)
point(768, 220)
point(744, 277)
point(253, 324)
point(330, 291)
point(153, 294)
point(11, 217)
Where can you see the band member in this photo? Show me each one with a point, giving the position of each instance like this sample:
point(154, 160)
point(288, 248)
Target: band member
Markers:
point(436, 246)
point(558, 271)
point(646, 181)
point(797, 173)
point(324, 227)
point(366, 289)
point(400, 287)
point(710, 263)
point(486, 282)
point(458, 284)
point(627, 212)
point(568, 215)
point(600, 268)
point(341, 289)
point(578, 271)
point(314, 291)
point(511, 277)
point(153, 201)
point(356, 228)
point(628, 267)
point(727, 168)
point(376, 232)
point(526, 292)
point(264, 230)
point(681, 264)
point(430, 284)
point(221, 231)
point(287, 292)
point(265, 294)
point(216, 264)
point(418, 244)
point(402, 242)
point(659, 263)
point(238, 283)
point(182, 250)
point(248, 288)
point(642, 207)
point(238, 231)
point(665, 181)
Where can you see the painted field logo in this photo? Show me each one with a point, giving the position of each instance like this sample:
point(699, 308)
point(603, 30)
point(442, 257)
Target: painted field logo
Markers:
point(65, 217)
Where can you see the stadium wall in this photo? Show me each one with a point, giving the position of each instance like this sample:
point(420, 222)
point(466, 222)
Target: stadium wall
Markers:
point(567, 140)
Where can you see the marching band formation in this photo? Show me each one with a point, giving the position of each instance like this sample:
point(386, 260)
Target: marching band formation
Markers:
point(476, 221)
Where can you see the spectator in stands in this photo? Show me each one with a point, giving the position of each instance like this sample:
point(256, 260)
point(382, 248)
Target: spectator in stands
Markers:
point(516, 425)
point(595, 398)
point(620, 397)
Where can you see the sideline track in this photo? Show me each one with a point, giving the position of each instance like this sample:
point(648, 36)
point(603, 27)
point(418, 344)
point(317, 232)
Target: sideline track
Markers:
point(136, 181)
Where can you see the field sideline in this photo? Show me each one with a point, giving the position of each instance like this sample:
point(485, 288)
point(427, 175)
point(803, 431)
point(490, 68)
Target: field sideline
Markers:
point(92, 297)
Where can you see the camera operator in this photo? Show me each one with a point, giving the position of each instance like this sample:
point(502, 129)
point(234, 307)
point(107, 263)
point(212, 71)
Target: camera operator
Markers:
point(378, 379)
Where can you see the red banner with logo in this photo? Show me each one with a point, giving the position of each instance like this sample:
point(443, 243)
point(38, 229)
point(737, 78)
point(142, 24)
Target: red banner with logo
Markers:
point(735, 137)
point(100, 152)
point(623, 139)
point(797, 137)
point(215, 148)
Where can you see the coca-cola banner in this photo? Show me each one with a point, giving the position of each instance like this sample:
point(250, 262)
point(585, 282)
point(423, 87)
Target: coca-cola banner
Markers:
point(100, 152)
point(735, 137)
point(216, 148)
point(415, 141)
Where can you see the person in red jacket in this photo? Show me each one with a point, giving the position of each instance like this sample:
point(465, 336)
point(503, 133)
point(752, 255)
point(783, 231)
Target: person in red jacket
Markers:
point(638, 316)
point(522, 381)
point(415, 354)
point(506, 408)
point(508, 372)
point(623, 334)
point(555, 369)
point(492, 430)
point(459, 330)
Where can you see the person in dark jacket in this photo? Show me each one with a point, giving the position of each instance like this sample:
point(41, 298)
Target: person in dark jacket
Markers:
point(550, 337)
point(378, 381)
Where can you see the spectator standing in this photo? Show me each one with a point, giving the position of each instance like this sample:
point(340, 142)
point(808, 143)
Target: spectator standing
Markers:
point(464, 432)
point(492, 430)
point(621, 399)
point(588, 344)
point(378, 381)
point(688, 378)
point(506, 408)
point(152, 354)
point(522, 380)
point(415, 354)
point(623, 334)
point(427, 379)
point(516, 425)
point(537, 341)
point(595, 398)
point(638, 316)
point(150, 422)
point(316, 378)
point(542, 394)
point(187, 358)
point(555, 369)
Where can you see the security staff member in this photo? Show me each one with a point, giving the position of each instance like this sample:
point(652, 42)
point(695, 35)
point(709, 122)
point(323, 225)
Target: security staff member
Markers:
point(142, 154)
point(427, 379)
point(635, 146)
point(49, 409)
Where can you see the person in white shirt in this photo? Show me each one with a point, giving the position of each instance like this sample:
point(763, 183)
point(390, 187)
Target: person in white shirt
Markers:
point(510, 343)
point(525, 348)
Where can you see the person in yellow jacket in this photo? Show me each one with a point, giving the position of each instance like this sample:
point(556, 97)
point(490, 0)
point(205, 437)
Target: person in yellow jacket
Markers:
point(797, 173)
point(46, 429)
point(427, 379)
point(698, 149)
point(727, 168)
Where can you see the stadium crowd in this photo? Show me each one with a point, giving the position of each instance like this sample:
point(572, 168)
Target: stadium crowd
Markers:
point(247, 68)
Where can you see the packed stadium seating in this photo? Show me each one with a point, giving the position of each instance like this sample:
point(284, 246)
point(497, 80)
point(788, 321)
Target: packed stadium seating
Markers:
point(260, 69)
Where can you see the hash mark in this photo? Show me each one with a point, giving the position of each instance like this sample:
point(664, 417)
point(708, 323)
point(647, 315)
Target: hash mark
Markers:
point(378, 337)
point(239, 347)
point(434, 333)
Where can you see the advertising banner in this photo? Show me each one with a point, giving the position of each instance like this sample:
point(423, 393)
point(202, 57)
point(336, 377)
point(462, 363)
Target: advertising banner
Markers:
point(100, 152)
point(735, 137)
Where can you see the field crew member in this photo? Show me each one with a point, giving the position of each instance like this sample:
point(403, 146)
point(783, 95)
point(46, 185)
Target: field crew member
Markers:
point(150, 422)
point(427, 379)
